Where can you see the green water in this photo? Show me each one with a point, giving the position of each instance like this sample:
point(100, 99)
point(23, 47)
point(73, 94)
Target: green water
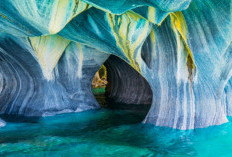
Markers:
point(110, 133)
point(98, 91)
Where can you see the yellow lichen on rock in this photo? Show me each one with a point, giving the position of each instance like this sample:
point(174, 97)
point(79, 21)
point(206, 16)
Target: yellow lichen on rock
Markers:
point(48, 50)
point(123, 28)
point(179, 26)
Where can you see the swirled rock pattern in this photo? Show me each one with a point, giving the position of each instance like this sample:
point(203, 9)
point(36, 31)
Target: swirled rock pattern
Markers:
point(51, 49)
point(191, 97)
point(125, 85)
point(26, 91)
point(34, 18)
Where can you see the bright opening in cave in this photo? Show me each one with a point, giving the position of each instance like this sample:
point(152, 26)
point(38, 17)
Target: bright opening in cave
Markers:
point(99, 84)
point(117, 85)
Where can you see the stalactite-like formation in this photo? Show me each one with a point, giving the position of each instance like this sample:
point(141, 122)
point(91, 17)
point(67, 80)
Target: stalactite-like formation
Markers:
point(26, 90)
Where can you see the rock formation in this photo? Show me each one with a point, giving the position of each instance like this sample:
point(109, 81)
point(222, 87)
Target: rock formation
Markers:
point(51, 49)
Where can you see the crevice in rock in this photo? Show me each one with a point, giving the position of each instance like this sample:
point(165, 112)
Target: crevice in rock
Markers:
point(126, 89)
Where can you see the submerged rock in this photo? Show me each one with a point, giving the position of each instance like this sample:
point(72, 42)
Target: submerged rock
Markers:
point(2, 123)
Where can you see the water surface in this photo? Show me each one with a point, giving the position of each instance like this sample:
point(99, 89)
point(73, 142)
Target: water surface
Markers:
point(110, 133)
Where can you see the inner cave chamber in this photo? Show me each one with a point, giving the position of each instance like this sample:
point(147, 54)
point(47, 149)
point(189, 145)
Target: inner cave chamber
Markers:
point(117, 85)
point(29, 90)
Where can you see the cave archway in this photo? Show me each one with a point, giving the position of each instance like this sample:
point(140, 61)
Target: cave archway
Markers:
point(121, 87)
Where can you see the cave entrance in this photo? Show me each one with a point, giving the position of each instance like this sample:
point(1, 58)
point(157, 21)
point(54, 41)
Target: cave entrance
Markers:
point(99, 84)
point(120, 87)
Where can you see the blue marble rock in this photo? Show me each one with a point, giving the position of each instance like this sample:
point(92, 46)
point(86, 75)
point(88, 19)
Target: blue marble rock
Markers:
point(50, 51)
point(35, 18)
point(26, 91)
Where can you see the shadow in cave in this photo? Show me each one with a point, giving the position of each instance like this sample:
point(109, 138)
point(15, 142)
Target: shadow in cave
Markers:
point(19, 118)
point(117, 86)
point(125, 97)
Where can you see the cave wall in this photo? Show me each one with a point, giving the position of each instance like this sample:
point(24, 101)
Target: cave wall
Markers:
point(190, 77)
point(27, 91)
point(125, 84)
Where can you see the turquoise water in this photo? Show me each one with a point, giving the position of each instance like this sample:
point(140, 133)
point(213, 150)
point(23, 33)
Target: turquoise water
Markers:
point(110, 133)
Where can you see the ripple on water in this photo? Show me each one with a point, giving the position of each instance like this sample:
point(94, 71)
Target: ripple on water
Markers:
point(110, 133)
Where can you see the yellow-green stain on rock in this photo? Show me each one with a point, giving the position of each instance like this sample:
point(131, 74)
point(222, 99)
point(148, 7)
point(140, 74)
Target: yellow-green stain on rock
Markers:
point(179, 26)
point(123, 27)
point(48, 50)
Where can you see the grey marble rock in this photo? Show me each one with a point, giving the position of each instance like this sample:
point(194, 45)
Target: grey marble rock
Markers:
point(25, 91)
point(125, 84)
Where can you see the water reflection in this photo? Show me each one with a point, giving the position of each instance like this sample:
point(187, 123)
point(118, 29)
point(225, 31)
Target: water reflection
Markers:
point(110, 133)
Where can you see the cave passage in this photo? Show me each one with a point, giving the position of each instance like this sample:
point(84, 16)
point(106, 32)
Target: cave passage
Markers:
point(118, 86)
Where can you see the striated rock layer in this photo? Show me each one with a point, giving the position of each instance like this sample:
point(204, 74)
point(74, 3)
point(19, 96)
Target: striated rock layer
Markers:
point(190, 74)
point(125, 85)
point(26, 91)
